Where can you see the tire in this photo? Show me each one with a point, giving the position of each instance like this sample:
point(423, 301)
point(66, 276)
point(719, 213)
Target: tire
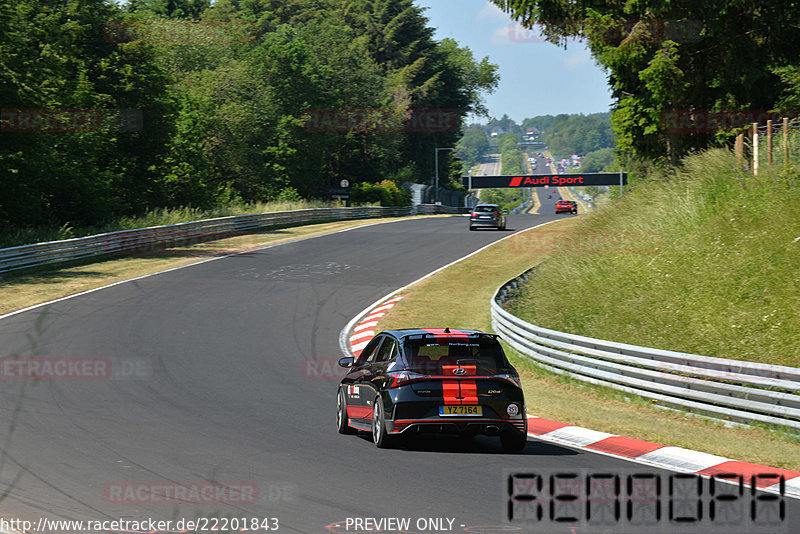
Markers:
point(471, 228)
point(513, 441)
point(341, 414)
point(379, 435)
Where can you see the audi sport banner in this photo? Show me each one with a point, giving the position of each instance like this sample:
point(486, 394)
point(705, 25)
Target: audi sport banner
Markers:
point(546, 180)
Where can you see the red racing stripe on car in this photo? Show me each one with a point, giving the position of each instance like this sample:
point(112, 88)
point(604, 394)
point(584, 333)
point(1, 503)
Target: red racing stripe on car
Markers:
point(469, 370)
point(450, 391)
point(469, 392)
point(359, 412)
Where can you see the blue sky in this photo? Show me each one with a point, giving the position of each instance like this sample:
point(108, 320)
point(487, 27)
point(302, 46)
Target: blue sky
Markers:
point(536, 77)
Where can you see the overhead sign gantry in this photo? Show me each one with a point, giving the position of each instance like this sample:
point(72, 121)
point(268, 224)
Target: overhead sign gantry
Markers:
point(546, 180)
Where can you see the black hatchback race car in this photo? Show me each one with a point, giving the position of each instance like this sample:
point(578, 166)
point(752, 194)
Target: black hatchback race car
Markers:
point(432, 380)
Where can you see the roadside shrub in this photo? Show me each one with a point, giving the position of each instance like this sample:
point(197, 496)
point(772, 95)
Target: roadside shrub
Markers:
point(384, 192)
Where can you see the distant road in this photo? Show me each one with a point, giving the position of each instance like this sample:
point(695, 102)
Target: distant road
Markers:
point(490, 165)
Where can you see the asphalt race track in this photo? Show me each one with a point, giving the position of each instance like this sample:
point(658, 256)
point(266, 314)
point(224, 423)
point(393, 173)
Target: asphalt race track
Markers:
point(210, 382)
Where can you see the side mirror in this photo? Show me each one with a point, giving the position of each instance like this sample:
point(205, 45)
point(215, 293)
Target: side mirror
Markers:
point(505, 212)
point(346, 362)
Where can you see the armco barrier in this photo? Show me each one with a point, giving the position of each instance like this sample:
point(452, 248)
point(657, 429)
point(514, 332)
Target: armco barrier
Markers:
point(436, 209)
point(181, 234)
point(731, 390)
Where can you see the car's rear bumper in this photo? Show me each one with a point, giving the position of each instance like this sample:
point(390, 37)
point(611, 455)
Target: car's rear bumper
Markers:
point(411, 413)
point(493, 224)
point(463, 426)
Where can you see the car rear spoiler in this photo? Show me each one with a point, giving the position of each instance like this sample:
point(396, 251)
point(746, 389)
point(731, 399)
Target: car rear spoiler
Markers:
point(473, 335)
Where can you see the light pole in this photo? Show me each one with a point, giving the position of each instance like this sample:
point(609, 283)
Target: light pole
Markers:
point(436, 164)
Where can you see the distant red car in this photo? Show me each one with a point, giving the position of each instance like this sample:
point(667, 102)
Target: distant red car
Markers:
point(568, 206)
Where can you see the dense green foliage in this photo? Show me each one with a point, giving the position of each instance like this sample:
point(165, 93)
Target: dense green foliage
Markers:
point(597, 160)
point(472, 146)
point(542, 122)
point(231, 102)
point(671, 60)
point(385, 193)
point(511, 157)
point(578, 134)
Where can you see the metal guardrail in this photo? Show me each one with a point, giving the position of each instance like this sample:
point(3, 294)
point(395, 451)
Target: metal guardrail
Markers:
point(173, 235)
point(436, 209)
point(731, 390)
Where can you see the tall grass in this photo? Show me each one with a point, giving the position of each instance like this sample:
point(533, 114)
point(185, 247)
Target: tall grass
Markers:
point(702, 259)
point(10, 237)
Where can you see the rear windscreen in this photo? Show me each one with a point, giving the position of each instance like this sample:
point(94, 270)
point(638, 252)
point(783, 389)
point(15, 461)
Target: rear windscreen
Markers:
point(428, 356)
point(486, 209)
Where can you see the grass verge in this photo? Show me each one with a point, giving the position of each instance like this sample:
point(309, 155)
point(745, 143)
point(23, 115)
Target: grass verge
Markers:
point(430, 303)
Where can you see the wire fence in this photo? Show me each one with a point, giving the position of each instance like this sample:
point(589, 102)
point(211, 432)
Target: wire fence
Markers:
point(773, 143)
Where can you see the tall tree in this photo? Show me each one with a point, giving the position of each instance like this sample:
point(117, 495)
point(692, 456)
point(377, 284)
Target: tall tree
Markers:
point(65, 154)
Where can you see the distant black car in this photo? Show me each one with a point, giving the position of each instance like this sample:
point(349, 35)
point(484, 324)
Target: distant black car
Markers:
point(490, 215)
point(432, 380)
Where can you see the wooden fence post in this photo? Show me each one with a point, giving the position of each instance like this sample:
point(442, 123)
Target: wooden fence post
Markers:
point(786, 140)
point(738, 149)
point(769, 141)
point(755, 149)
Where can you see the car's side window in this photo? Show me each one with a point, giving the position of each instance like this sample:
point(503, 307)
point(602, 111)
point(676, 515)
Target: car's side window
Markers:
point(387, 351)
point(371, 358)
point(368, 354)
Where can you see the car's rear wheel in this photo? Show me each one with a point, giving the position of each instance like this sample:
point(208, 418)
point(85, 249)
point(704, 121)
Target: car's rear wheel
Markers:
point(341, 414)
point(379, 435)
point(513, 441)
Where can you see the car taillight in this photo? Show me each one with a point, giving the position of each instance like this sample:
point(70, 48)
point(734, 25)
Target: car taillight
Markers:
point(474, 214)
point(510, 377)
point(496, 214)
point(403, 377)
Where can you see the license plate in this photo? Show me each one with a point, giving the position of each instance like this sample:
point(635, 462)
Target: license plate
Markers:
point(485, 217)
point(460, 410)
